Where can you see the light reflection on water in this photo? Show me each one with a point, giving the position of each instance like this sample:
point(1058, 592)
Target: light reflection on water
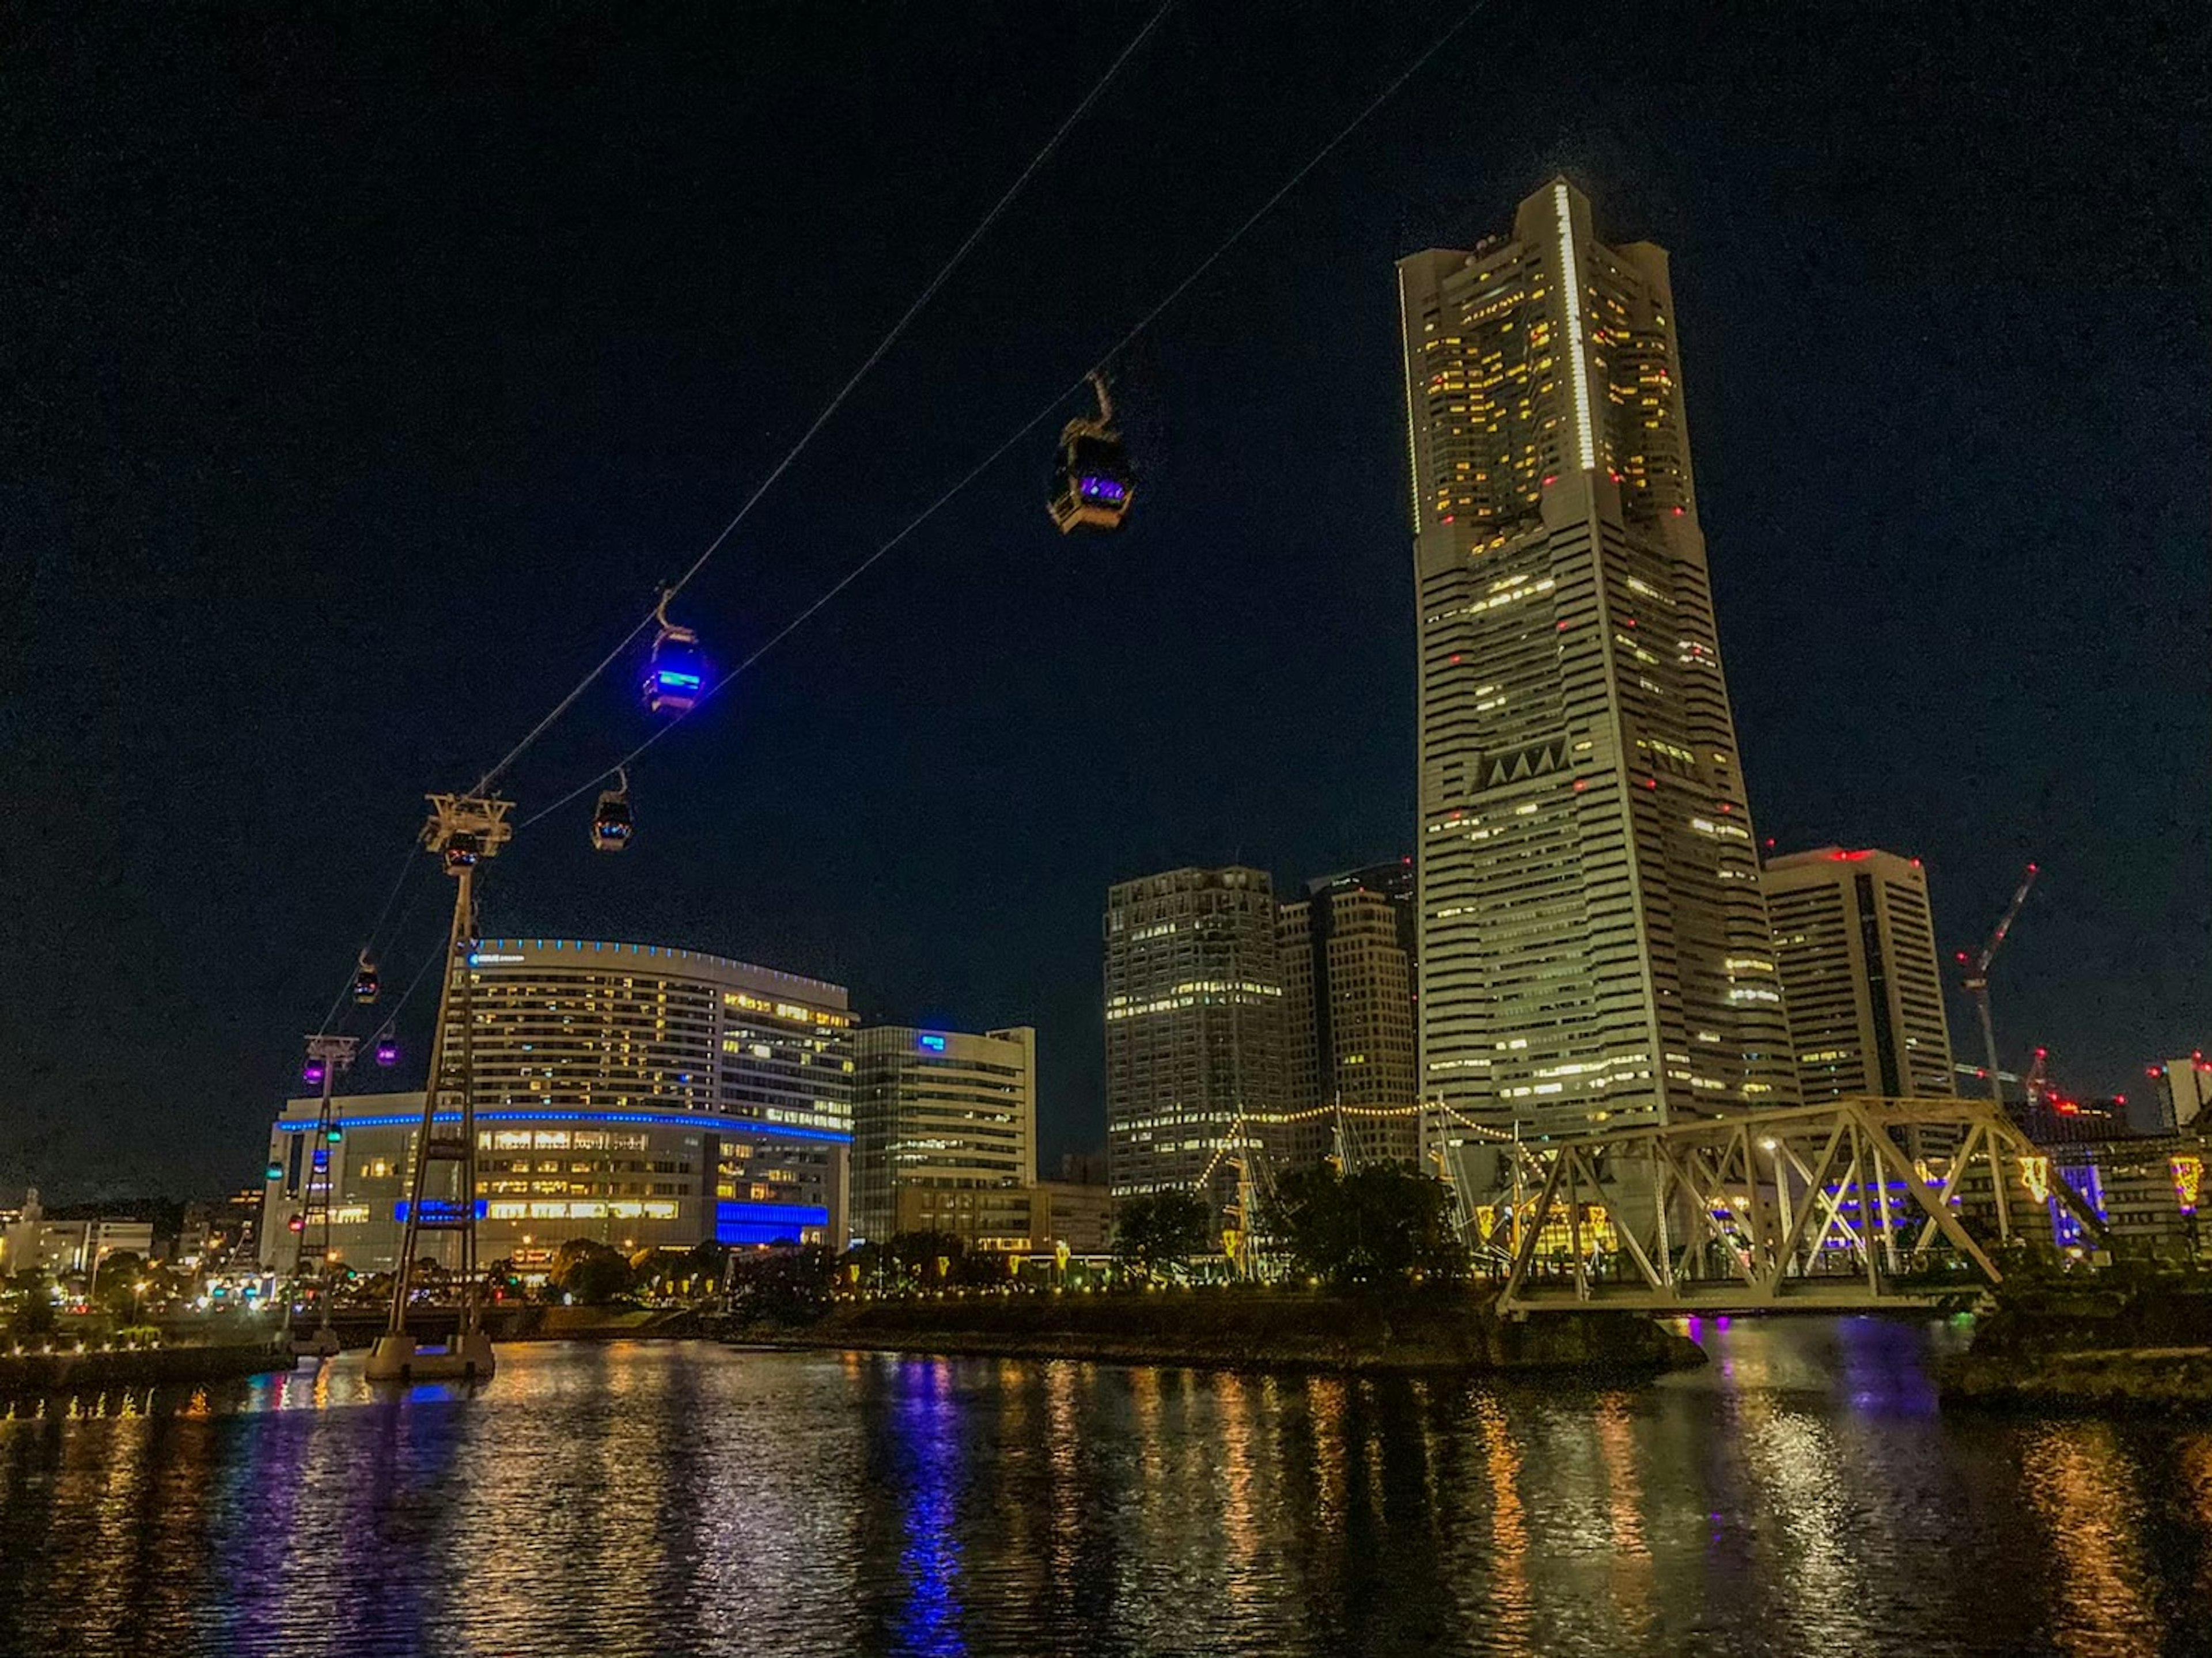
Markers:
point(1803, 1493)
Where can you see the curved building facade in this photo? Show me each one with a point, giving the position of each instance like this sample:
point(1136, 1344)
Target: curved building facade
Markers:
point(635, 1093)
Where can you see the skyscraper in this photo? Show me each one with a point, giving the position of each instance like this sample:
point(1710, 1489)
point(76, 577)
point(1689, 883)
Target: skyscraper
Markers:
point(1860, 974)
point(1194, 1026)
point(1593, 943)
point(946, 1119)
point(1347, 955)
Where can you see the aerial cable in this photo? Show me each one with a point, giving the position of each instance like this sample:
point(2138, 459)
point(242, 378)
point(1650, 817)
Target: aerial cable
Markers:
point(437, 954)
point(882, 346)
point(406, 868)
point(1041, 415)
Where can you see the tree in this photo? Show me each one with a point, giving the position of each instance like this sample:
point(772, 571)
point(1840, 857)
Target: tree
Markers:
point(1385, 1223)
point(591, 1272)
point(700, 1269)
point(114, 1285)
point(1160, 1230)
point(33, 1293)
point(781, 1285)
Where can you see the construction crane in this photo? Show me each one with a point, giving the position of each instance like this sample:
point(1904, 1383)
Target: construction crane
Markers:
point(1976, 981)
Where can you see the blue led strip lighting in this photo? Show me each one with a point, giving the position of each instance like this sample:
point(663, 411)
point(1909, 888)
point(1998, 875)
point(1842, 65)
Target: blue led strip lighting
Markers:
point(744, 1223)
point(664, 1120)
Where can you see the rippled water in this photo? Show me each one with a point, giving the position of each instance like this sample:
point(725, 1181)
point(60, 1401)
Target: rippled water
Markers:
point(1801, 1495)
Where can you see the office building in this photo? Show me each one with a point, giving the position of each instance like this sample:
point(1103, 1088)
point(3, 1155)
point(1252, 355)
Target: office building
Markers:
point(1861, 978)
point(2145, 1189)
point(33, 1240)
point(1193, 1027)
point(635, 1094)
point(1017, 1220)
point(2184, 1088)
point(1077, 1213)
point(1351, 1081)
point(1593, 943)
point(945, 1118)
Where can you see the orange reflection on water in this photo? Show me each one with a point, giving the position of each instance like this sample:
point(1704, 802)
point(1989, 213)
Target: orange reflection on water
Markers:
point(1325, 1397)
point(2083, 1487)
point(1623, 1490)
point(1239, 1516)
point(2194, 1454)
point(1513, 1617)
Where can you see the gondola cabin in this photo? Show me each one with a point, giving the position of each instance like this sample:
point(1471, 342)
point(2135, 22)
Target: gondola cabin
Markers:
point(1091, 486)
point(1092, 481)
point(612, 823)
point(676, 673)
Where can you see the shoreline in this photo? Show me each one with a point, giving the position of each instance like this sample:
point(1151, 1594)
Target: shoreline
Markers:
point(2119, 1381)
point(29, 1375)
point(1284, 1335)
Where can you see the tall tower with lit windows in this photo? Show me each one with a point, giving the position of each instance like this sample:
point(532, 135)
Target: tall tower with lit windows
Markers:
point(1193, 1030)
point(1593, 941)
point(1856, 944)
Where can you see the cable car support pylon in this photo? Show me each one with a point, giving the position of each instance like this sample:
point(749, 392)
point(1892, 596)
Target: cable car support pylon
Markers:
point(327, 1055)
point(462, 830)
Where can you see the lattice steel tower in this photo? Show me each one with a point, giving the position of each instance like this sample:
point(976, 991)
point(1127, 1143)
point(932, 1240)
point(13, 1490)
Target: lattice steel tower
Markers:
point(462, 829)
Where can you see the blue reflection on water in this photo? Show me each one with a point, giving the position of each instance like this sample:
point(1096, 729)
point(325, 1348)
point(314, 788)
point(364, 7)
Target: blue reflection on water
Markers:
point(928, 1427)
point(1884, 1367)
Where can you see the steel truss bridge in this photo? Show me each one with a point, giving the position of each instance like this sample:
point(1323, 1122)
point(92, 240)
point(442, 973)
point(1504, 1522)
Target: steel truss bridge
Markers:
point(1861, 1205)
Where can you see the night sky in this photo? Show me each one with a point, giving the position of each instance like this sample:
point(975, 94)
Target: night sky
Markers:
point(364, 375)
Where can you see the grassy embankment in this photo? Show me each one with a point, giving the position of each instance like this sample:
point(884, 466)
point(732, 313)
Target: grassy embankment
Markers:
point(2116, 1341)
point(1254, 1329)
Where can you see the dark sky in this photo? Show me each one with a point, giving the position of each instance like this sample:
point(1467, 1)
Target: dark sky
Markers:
point(364, 374)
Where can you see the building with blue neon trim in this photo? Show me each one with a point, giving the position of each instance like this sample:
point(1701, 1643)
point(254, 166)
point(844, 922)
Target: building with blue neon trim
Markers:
point(641, 1096)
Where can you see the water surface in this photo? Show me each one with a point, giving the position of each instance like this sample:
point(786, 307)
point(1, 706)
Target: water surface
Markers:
point(1803, 1494)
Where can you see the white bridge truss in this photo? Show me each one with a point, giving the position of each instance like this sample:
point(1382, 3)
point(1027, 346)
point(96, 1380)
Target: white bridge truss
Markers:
point(1864, 1203)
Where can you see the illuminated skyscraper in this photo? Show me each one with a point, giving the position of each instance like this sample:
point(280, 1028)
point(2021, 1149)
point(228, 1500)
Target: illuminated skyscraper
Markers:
point(942, 1122)
point(1593, 942)
point(1193, 1027)
point(1856, 948)
point(1347, 954)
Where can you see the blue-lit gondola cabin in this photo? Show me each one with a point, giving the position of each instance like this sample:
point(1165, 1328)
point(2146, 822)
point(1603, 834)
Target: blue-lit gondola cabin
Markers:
point(612, 825)
point(1092, 482)
point(676, 673)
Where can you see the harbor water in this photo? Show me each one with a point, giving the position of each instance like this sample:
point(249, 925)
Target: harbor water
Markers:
point(1803, 1493)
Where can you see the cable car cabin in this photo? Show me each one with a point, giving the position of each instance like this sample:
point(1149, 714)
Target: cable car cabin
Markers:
point(1092, 485)
point(387, 1051)
point(611, 824)
point(674, 677)
point(367, 984)
point(462, 851)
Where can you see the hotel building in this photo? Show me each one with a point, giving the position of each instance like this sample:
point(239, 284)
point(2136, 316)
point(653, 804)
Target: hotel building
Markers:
point(1593, 943)
point(635, 1094)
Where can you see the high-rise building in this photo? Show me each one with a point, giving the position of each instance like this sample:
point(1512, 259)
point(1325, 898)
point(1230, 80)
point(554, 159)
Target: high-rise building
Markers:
point(2185, 1089)
point(1861, 977)
point(948, 1117)
point(1347, 963)
point(627, 1093)
point(1193, 1027)
point(1593, 944)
